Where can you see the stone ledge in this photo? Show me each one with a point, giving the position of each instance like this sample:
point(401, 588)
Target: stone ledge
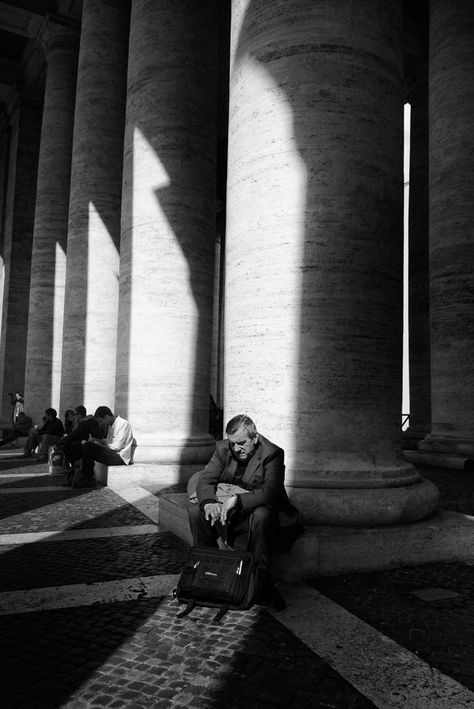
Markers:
point(149, 474)
point(440, 460)
point(447, 536)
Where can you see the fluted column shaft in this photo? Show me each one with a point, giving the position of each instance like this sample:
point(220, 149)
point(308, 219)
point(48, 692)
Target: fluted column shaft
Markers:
point(314, 252)
point(48, 268)
point(93, 245)
point(451, 217)
point(21, 147)
point(168, 230)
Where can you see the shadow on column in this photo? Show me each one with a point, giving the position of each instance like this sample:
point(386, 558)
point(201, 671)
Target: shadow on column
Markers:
point(351, 263)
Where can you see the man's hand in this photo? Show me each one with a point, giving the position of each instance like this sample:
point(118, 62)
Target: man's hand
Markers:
point(99, 442)
point(227, 505)
point(212, 511)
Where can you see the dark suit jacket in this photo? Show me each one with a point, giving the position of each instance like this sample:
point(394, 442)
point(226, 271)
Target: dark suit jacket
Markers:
point(264, 476)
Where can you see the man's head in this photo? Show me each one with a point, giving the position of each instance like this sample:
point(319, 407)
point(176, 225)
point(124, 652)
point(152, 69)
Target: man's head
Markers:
point(104, 416)
point(242, 435)
point(80, 412)
point(50, 414)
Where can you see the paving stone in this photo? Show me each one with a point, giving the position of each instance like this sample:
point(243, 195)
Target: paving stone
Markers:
point(138, 654)
point(45, 564)
point(66, 509)
point(432, 630)
point(435, 594)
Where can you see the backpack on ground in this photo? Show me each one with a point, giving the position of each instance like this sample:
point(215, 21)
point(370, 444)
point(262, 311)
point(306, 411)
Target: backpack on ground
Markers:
point(217, 578)
point(56, 460)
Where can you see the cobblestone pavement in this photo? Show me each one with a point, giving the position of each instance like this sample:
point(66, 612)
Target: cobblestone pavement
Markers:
point(136, 653)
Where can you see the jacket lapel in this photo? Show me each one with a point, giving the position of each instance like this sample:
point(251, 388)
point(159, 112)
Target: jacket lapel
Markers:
point(230, 468)
point(253, 465)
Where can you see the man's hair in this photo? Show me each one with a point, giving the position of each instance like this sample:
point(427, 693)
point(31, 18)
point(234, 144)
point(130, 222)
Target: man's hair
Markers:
point(80, 410)
point(241, 421)
point(51, 412)
point(102, 412)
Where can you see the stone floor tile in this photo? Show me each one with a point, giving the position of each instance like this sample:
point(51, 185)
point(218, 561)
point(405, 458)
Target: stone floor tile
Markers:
point(45, 564)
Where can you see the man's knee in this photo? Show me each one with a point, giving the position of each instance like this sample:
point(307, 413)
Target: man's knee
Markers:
point(262, 516)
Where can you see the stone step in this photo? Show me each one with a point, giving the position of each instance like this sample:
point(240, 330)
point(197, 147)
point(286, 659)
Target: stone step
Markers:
point(440, 460)
point(447, 536)
point(173, 515)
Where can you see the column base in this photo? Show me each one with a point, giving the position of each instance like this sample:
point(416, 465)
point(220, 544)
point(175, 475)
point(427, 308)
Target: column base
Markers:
point(448, 444)
point(185, 451)
point(355, 507)
point(412, 437)
point(439, 460)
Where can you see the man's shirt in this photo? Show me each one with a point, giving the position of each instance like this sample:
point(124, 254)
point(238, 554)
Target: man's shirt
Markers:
point(120, 438)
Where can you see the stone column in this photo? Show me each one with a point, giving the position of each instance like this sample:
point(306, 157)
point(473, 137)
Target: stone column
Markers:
point(314, 252)
point(93, 245)
point(48, 268)
point(451, 215)
point(168, 230)
point(5, 132)
point(20, 148)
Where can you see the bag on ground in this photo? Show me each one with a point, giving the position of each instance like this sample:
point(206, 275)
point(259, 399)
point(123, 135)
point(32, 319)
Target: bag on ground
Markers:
point(55, 460)
point(217, 578)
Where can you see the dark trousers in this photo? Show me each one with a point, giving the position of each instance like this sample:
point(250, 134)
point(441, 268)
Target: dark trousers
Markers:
point(72, 450)
point(44, 440)
point(10, 436)
point(92, 452)
point(255, 532)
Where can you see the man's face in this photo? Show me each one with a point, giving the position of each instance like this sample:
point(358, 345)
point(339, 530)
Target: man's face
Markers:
point(48, 417)
point(242, 444)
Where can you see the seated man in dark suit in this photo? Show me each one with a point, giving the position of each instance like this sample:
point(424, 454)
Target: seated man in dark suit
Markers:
point(256, 465)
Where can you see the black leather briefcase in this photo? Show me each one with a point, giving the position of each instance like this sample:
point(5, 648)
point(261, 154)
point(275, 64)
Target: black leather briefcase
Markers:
point(217, 578)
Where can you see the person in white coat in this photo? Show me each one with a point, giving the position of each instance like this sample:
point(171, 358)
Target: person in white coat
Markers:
point(116, 449)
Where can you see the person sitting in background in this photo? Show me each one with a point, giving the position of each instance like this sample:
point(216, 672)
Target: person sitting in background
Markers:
point(20, 428)
point(44, 436)
point(85, 427)
point(116, 449)
point(69, 421)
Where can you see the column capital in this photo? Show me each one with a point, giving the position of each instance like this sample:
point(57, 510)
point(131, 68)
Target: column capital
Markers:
point(58, 35)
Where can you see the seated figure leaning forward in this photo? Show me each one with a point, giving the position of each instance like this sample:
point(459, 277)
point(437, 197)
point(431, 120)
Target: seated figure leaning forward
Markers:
point(84, 428)
point(255, 464)
point(44, 436)
point(115, 449)
point(20, 428)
